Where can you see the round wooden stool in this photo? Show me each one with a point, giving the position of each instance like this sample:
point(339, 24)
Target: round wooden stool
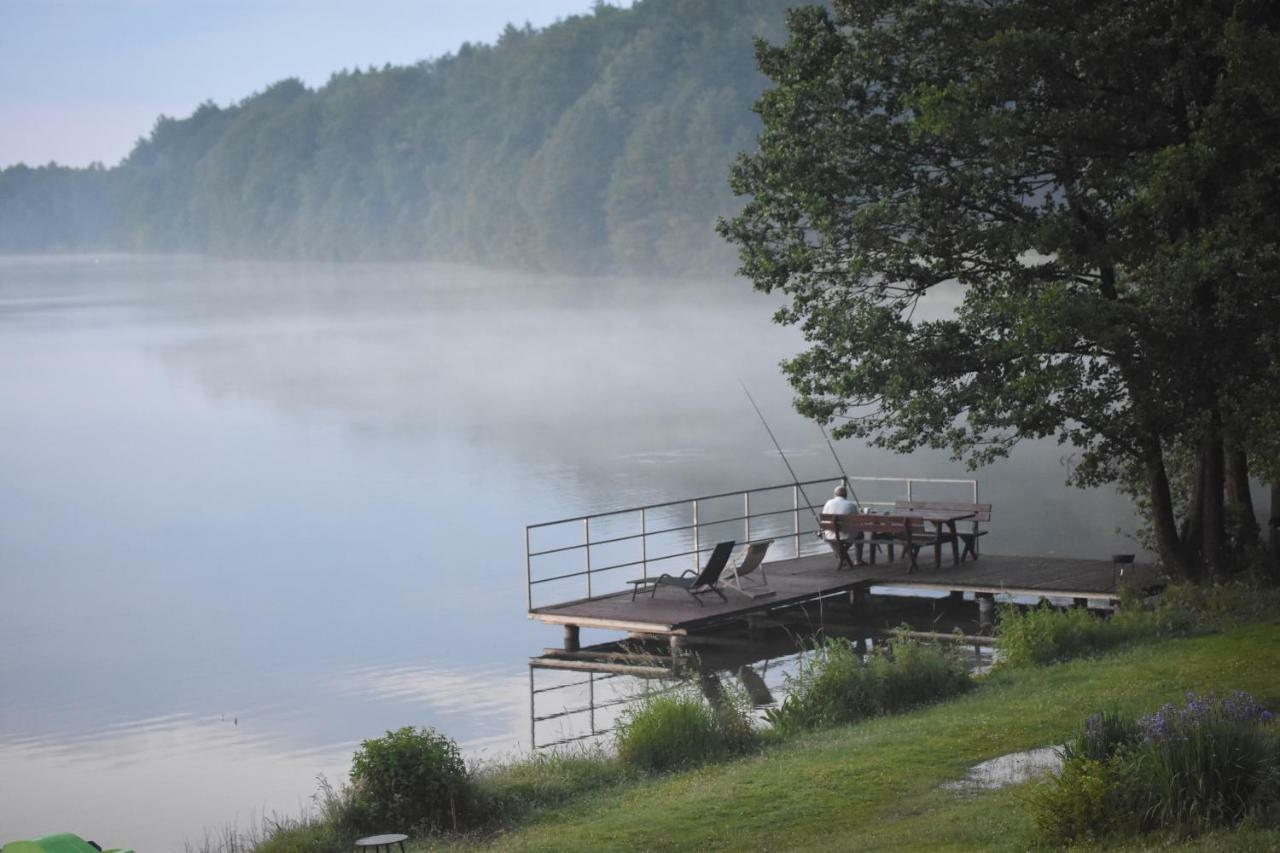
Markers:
point(378, 843)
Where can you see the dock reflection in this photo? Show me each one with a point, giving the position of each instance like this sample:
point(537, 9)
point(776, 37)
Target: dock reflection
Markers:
point(576, 698)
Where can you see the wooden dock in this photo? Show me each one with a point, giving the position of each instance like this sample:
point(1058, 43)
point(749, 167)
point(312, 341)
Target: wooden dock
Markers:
point(673, 613)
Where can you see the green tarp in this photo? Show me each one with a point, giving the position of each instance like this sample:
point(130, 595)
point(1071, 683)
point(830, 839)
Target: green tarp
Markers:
point(63, 842)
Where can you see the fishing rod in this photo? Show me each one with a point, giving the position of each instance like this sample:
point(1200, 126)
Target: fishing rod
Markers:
point(836, 456)
point(816, 519)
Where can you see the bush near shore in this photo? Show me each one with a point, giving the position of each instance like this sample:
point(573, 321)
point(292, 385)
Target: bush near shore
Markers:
point(1208, 762)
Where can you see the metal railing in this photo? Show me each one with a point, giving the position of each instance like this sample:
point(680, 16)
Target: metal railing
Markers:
point(769, 523)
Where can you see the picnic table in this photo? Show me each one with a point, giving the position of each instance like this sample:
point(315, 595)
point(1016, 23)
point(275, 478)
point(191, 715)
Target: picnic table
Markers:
point(978, 513)
point(908, 528)
point(940, 518)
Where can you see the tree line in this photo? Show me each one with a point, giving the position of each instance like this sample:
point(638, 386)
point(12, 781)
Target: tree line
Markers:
point(599, 143)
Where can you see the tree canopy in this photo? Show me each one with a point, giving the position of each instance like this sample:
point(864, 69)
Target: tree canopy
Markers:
point(600, 142)
point(1099, 181)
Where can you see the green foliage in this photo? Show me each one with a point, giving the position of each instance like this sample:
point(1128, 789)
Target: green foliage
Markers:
point(308, 837)
point(833, 685)
point(506, 792)
point(673, 730)
point(599, 142)
point(1218, 606)
point(1213, 761)
point(412, 779)
point(847, 787)
point(1094, 228)
point(58, 209)
point(330, 829)
point(1088, 801)
point(1215, 776)
point(1045, 634)
point(1102, 736)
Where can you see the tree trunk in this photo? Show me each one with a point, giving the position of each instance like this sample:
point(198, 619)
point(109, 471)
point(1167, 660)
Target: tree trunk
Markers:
point(1192, 525)
point(1240, 511)
point(1213, 509)
point(1163, 524)
point(1274, 534)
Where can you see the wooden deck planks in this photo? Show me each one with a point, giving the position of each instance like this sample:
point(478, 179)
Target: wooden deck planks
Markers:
point(794, 581)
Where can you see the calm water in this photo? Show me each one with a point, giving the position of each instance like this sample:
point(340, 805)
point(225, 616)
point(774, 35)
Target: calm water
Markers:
point(251, 514)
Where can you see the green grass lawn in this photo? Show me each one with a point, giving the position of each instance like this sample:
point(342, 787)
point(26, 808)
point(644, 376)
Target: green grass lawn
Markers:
point(875, 785)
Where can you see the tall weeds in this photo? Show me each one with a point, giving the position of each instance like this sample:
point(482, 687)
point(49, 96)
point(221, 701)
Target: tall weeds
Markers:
point(680, 729)
point(833, 685)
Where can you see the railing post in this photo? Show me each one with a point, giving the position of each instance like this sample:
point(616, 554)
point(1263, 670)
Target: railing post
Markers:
point(795, 516)
point(908, 490)
point(586, 549)
point(644, 545)
point(746, 515)
point(528, 572)
point(533, 707)
point(696, 538)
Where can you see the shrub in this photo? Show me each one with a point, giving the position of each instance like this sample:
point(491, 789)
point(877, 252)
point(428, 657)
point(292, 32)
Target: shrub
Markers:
point(1212, 761)
point(915, 674)
point(833, 685)
point(1087, 801)
point(673, 730)
point(410, 779)
point(1215, 776)
point(1217, 606)
point(1045, 634)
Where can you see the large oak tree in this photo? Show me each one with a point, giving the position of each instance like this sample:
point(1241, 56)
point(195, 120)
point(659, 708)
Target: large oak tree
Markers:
point(1100, 181)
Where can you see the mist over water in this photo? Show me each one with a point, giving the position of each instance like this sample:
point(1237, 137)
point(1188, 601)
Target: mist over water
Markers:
point(251, 514)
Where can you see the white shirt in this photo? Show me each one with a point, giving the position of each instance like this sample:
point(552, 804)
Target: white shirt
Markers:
point(837, 506)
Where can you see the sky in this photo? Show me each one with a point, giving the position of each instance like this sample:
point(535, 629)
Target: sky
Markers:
point(82, 81)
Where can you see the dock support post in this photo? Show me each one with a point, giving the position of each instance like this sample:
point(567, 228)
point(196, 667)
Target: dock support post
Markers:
point(986, 612)
point(857, 597)
point(571, 638)
point(679, 646)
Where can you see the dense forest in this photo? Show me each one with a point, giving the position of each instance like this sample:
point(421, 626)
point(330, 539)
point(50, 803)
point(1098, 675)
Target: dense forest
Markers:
point(599, 143)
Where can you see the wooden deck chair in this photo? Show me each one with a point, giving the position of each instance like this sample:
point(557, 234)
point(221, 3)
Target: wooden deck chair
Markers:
point(699, 583)
point(748, 565)
point(840, 541)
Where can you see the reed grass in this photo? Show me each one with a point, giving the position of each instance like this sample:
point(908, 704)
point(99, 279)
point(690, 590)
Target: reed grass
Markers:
point(833, 685)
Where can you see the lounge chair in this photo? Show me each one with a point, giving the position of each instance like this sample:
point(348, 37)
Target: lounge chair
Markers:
point(694, 583)
point(748, 565)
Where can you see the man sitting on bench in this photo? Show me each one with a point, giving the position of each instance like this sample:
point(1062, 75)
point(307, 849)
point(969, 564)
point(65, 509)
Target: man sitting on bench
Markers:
point(838, 505)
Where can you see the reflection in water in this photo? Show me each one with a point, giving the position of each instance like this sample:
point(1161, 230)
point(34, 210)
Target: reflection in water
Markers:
point(293, 495)
point(577, 697)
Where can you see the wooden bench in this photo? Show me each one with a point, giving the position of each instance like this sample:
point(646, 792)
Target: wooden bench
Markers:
point(876, 531)
point(981, 514)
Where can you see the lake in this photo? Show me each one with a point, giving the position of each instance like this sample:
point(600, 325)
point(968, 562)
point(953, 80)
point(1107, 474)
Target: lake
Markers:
point(253, 513)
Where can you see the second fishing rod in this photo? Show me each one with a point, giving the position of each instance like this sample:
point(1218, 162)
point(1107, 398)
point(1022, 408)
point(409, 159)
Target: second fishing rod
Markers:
point(795, 479)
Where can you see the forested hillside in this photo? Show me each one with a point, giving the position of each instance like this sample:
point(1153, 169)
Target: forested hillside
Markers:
point(599, 143)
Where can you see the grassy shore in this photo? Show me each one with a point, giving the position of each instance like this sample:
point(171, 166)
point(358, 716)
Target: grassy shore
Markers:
point(875, 785)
